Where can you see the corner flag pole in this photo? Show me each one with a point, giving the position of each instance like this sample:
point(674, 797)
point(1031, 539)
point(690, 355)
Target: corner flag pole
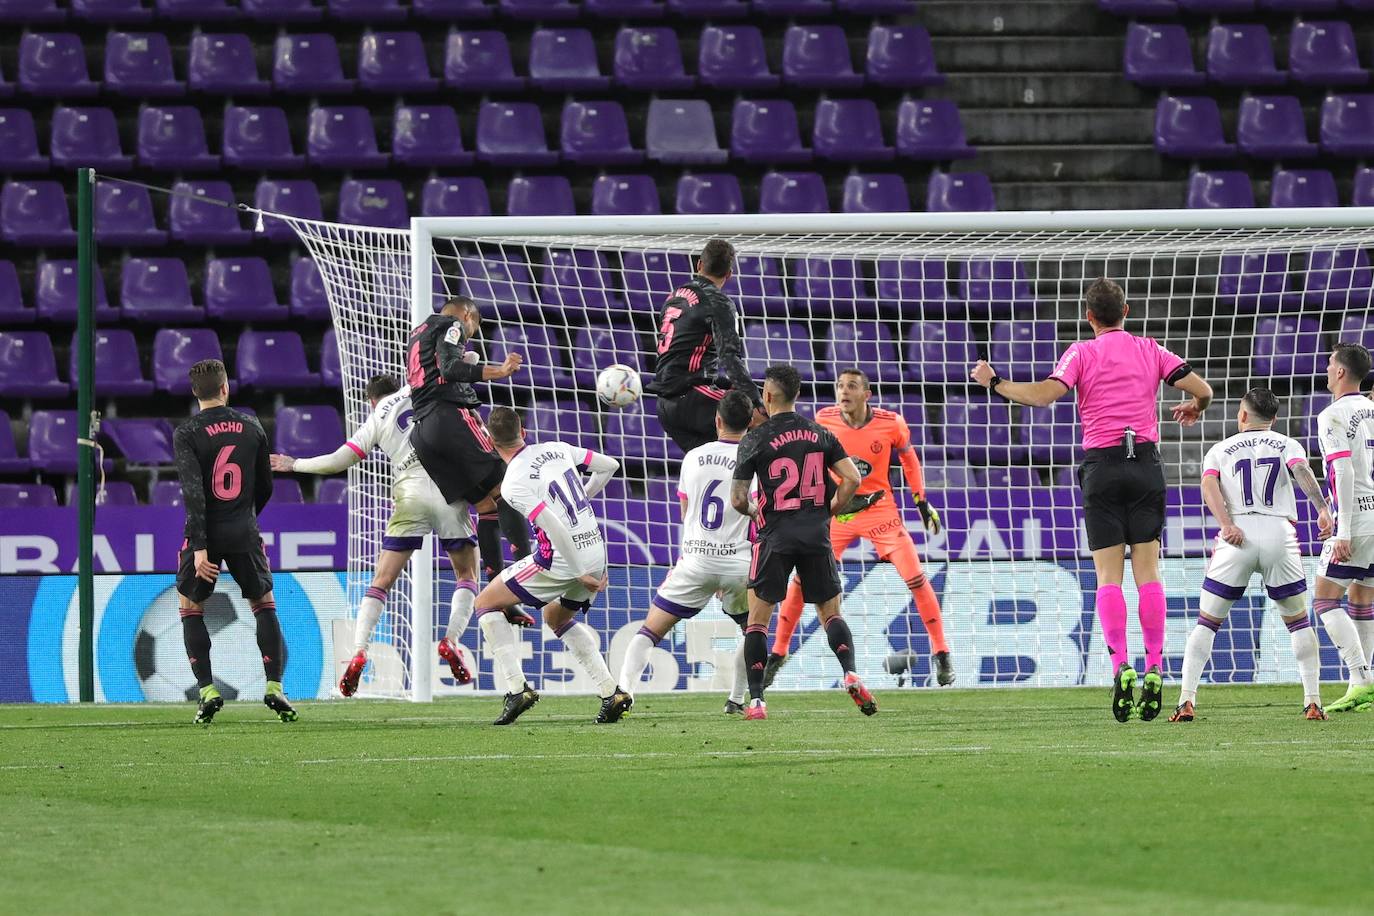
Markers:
point(87, 454)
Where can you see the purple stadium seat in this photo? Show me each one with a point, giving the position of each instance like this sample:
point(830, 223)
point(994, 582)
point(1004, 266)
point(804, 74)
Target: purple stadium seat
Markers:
point(636, 433)
point(792, 7)
point(733, 57)
point(157, 290)
point(757, 286)
point(538, 10)
point(1338, 279)
point(682, 132)
point(564, 60)
point(308, 65)
point(309, 430)
point(1363, 194)
point(651, 275)
point(273, 360)
point(931, 129)
point(13, 310)
point(176, 350)
point(455, 197)
point(118, 372)
point(579, 279)
point(331, 368)
point(31, 12)
point(394, 62)
point(980, 431)
point(19, 143)
point(607, 345)
point(1300, 6)
point(793, 192)
point(1303, 188)
point(505, 284)
point(341, 136)
point(28, 368)
point(195, 217)
point(769, 342)
point(124, 216)
point(876, 7)
point(1221, 7)
point(54, 64)
point(291, 197)
point(258, 138)
point(373, 202)
point(480, 62)
point(1356, 329)
point(1254, 281)
point(1272, 127)
point(939, 352)
point(292, 11)
point(452, 10)
point(709, 9)
point(866, 344)
point(766, 132)
point(833, 288)
point(1027, 348)
point(625, 9)
point(596, 133)
point(1324, 54)
point(849, 130)
point(140, 65)
point(224, 64)
point(11, 462)
point(35, 213)
point(817, 57)
point(55, 293)
point(87, 137)
point(875, 194)
point(196, 10)
point(1054, 439)
point(901, 57)
point(1160, 55)
point(1242, 55)
point(545, 355)
point(997, 287)
point(367, 10)
point(540, 195)
point(332, 490)
point(1347, 125)
point(625, 195)
point(512, 133)
point(240, 289)
point(308, 297)
point(1190, 128)
point(1289, 347)
point(716, 192)
point(173, 138)
point(141, 441)
point(27, 496)
point(165, 493)
point(959, 192)
point(649, 58)
point(6, 87)
point(920, 283)
point(1220, 189)
point(566, 421)
point(52, 441)
point(428, 135)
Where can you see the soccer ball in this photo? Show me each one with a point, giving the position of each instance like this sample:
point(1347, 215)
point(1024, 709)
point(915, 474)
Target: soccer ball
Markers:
point(160, 652)
point(618, 386)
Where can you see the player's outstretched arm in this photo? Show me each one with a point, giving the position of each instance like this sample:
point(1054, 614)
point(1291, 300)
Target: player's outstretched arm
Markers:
point(1216, 504)
point(341, 459)
point(1302, 473)
point(602, 468)
point(1029, 394)
point(1191, 410)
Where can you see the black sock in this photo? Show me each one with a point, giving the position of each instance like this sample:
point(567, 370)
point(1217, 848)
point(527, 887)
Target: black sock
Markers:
point(756, 658)
point(841, 642)
point(269, 640)
point(197, 640)
point(515, 529)
point(489, 543)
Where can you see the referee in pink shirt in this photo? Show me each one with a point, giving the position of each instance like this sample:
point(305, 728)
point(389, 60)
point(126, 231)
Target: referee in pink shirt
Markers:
point(1117, 376)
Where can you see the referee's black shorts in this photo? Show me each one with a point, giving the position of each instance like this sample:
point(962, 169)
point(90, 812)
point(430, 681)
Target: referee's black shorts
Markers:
point(1123, 498)
point(456, 452)
point(690, 418)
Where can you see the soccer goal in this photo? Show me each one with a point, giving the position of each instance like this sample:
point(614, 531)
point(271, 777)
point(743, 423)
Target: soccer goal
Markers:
point(1251, 297)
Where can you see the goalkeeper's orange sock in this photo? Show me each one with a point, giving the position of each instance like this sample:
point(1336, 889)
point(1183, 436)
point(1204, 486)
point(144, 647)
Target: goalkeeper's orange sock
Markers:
point(789, 615)
point(928, 606)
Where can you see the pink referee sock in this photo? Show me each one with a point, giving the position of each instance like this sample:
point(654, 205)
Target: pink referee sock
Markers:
point(1111, 610)
point(1152, 611)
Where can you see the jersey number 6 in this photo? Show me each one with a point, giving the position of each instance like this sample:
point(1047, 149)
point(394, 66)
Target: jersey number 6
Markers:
point(227, 477)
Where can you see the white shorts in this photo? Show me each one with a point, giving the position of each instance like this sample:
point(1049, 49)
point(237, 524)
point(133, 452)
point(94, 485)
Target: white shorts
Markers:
point(419, 508)
point(536, 586)
point(1270, 549)
point(694, 581)
point(1358, 570)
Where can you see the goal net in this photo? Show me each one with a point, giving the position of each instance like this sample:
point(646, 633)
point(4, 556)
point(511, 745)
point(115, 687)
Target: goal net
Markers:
point(1247, 297)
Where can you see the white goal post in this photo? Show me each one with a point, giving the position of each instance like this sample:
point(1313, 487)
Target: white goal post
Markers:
point(1249, 297)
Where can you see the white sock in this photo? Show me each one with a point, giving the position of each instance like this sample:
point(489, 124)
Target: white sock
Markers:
point(369, 612)
point(460, 610)
point(502, 644)
point(1195, 655)
point(1308, 653)
point(1346, 638)
point(741, 684)
point(585, 646)
point(636, 660)
point(1365, 627)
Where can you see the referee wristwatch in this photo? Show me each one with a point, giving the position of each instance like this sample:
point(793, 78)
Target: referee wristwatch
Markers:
point(994, 382)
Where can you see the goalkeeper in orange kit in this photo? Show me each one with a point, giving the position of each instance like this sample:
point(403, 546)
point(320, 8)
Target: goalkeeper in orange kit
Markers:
point(871, 436)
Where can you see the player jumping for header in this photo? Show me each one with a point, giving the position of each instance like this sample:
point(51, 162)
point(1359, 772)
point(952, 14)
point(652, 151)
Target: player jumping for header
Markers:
point(871, 436)
point(1251, 497)
point(790, 455)
point(226, 480)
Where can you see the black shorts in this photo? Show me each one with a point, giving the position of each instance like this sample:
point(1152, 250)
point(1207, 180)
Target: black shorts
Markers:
point(248, 567)
point(456, 452)
point(690, 418)
point(1123, 498)
point(771, 573)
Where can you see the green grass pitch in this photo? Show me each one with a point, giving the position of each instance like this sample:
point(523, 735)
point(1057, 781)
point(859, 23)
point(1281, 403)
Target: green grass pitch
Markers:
point(998, 801)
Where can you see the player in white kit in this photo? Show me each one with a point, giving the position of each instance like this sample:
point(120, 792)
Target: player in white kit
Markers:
point(1247, 486)
point(417, 509)
point(716, 551)
point(545, 482)
point(1345, 429)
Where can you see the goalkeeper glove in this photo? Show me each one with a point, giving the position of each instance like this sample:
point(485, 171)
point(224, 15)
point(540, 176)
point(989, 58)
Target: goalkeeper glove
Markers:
point(857, 505)
point(929, 517)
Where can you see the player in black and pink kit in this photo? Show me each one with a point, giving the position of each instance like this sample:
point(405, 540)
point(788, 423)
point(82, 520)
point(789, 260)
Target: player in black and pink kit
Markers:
point(226, 480)
point(793, 459)
point(697, 339)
